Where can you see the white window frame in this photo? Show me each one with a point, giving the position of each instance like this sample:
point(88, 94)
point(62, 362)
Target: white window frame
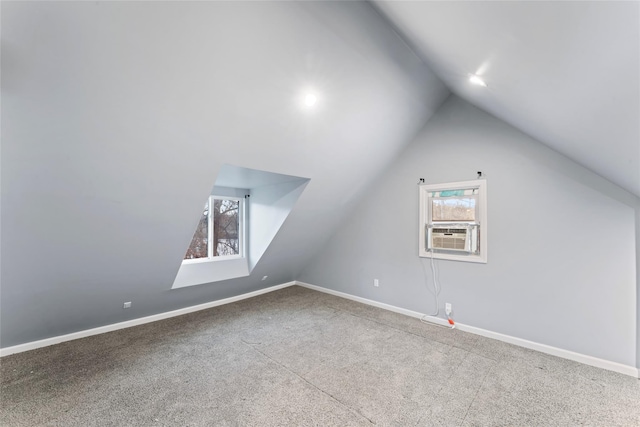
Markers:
point(425, 220)
point(241, 233)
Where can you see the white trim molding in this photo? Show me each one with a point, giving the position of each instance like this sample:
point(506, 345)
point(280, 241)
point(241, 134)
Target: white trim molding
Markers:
point(543, 348)
point(476, 230)
point(135, 322)
point(555, 351)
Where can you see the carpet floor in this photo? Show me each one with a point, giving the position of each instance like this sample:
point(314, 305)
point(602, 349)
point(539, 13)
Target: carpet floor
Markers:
point(297, 357)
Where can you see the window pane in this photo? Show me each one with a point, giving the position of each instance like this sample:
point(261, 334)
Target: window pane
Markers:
point(454, 209)
point(226, 226)
point(198, 247)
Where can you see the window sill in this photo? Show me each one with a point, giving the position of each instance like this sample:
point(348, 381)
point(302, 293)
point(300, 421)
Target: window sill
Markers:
point(455, 257)
point(213, 259)
point(202, 271)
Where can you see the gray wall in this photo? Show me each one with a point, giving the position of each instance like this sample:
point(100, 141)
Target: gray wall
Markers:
point(117, 117)
point(638, 282)
point(270, 207)
point(575, 291)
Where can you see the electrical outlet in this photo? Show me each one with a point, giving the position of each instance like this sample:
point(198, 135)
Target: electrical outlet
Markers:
point(264, 277)
point(127, 305)
point(447, 308)
point(376, 283)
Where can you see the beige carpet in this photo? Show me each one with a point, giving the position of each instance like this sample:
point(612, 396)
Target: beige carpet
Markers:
point(297, 357)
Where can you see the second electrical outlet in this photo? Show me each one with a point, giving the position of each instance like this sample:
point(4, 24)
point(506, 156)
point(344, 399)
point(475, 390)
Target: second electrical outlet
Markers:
point(376, 283)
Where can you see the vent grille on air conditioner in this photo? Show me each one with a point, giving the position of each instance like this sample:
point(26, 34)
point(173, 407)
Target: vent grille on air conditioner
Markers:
point(454, 239)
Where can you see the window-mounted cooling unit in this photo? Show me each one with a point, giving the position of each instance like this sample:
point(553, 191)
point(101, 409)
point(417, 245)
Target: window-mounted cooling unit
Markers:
point(449, 238)
point(459, 238)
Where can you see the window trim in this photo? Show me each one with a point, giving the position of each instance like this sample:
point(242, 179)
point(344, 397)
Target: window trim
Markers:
point(241, 233)
point(425, 215)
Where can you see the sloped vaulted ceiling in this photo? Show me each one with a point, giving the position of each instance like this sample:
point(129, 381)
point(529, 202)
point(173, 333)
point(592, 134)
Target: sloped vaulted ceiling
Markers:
point(566, 73)
point(118, 116)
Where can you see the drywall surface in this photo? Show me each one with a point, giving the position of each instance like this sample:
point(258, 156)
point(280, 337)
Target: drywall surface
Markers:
point(266, 208)
point(638, 282)
point(562, 256)
point(205, 272)
point(270, 207)
point(538, 59)
point(118, 116)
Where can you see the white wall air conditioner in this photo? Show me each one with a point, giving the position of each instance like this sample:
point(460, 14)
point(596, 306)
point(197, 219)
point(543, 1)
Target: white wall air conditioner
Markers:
point(453, 237)
point(450, 239)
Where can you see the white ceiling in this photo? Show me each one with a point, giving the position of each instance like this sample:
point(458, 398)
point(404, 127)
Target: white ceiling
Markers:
point(239, 177)
point(119, 116)
point(566, 73)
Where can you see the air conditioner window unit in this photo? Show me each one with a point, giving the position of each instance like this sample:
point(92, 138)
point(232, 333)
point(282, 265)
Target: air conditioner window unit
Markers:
point(459, 237)
point(449, 238)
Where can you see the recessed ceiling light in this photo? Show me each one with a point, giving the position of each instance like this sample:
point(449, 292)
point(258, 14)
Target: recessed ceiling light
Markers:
point(476, 80)
point(310, 99)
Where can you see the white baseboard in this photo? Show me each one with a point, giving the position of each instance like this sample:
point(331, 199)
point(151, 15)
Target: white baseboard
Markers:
point(543, 348)
point(134, 322)
point(555, 351)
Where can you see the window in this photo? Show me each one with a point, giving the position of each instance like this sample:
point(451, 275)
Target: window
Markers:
point(453, 221)
point(453, 208)
point(236, 225)
point(220, 231)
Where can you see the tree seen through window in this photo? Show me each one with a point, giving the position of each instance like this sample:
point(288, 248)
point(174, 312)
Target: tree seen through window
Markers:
point(218, 231)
